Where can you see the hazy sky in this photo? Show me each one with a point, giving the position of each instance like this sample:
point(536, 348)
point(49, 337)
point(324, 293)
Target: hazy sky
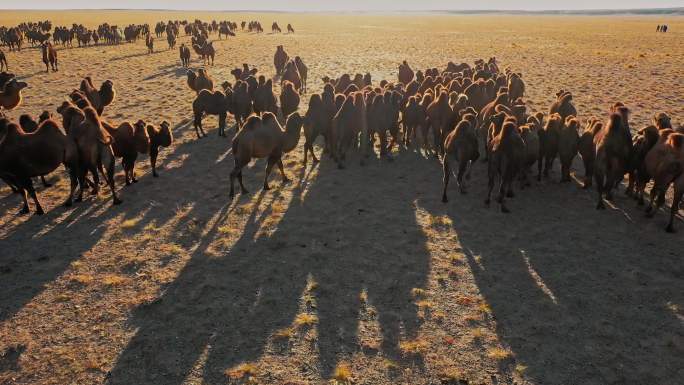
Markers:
point(327, 5)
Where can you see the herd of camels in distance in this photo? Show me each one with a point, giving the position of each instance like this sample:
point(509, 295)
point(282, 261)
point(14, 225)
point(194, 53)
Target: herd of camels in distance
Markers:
point(458, 114)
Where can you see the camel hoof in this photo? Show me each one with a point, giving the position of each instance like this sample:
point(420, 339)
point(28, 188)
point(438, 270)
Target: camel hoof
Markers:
point(68, 203)
point(40, 211)
point(444, 199)
point(267, 187)
point(135, 181)
point(23, 211)
point(117, 201)
point(155, 175)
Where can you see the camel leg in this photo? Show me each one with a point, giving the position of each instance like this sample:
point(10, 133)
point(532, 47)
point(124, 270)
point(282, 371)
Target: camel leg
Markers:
point(108, 173)
point(674, 209)
point(243, 190)
point(34, 196)
point(198, 125)
point(96, 181)
point(445, 180)
point(74, 182)
point(222, 124)
point(282, 171)
point(600, 184)
point(490, 186)
point(269, 168)
point(314, 160)
point(540, 163)
point(462, 166)
point(154, 151)
point(25, 209)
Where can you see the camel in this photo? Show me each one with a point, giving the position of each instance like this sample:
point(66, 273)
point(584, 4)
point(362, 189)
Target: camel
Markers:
point(303, 72)
point(10, 96)
point(263, 137)
point(317, 121)
point(171, 40)
point(516, 86)
point(507, 155)
point(289, 99)
point(244, 72)
point(461, 145)
point(563, 105)
point(4, 78)
point(406, 74)
point(212, 103)
point(549, 138)
point(149, 43)
point(101, 98)
point(290, 29)
point(264, 99)
point(200, 81)
point(642, 143)
point(49, 56)
point(128, 141)
point(349, 121)
point(568, 140)
point(530, 135)
point(29, 126)
point(613, 150)
point(414, 119)
point(3, 62)
point(184, 55)
point(587, 149)
point(206, 51)
point(280, 58)
point(438, 113)
point(26, 155)
point(159, 137)
point(291, 74)
point(94, 146)
point(665, 162)
point(275, 28)
point(242, 102)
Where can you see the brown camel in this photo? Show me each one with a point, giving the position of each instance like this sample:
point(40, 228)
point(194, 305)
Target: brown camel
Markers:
point(349, 121)
point(94, 146)
point(30, 126)
point(317, 121)
point(184, 52)
point(26, 155)
point(291, 74)
point(263, 137)
point(642, 144)
point(149, 43)
point(200, 81)
point(530, 135)
point(516, 86)
point(49, 56)
point(549, 137)
point(406, 74)
point(568, 140)
point(289, 99)
point(438, 113)
point(563, 105)
point(159, 137)
point(4, 78)
point(461, 145)
point(665, 162)
point(10, 96)
point(303, 72)
point(128, 141)
point(212, 103)
point(613, 150)
point(507, 155)
point(587, 149)
point(101, 98)
point(414, 119)
point(264, 99)
point(280, 58)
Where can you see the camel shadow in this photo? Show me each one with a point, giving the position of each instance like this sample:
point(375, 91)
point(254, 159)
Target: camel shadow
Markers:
point(576, 295)
point(222, 310)
point(178, 72)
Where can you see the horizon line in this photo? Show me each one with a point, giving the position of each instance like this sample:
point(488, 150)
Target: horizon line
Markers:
point(588, 10)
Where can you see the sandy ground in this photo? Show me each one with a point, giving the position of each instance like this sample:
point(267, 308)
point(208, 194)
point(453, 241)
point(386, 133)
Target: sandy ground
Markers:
point(360, 275)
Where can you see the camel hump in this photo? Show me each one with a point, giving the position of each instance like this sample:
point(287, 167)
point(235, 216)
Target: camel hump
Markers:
point(676, 141)
point(92, 118)
point(565, 98)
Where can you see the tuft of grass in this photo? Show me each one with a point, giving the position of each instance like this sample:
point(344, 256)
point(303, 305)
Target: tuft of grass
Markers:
point(415, 346)
point(129, 223)
point(477, 333)
point(171, 248)
point(342, 373)
point(520, 369)
point(305, 319)
point(417, 292)
point(484, 307)
point(284, 333)
point(389, 364)
point(465, 300)
point(242, 371)
point(451, 375)
point(83, 279)
point(498, 354)
point(113, 280)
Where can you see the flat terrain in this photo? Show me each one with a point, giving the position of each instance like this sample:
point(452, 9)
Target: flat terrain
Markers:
point(362, 273)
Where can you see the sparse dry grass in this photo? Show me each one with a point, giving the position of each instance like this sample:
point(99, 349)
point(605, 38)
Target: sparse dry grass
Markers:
point(498, 354)
point(342, 374)
point(413, 347)
point(305, 319)
point(242, 371)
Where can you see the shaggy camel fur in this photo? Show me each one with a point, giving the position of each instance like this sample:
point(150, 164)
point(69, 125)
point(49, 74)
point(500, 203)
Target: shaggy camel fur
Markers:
point(26, 155)
point(406, 74)
point(49, 56)
point(128, 141)
point(530, 135)
point(613, 150)
point(206, 51)
point(149, 43)
point(101, 98)
point(94, 146)
point(159, 137)
point(642, 144)
point(461, 145)
point(414, 119)
point(549, 138)
point(289, 99)
point(587, 149)
point(10, 96)
point(317, 121)
point(263, 137)
point(280, 58)
point(200, 81)
point(507, 155)
point(438, 113)
point(516, 86)
point(30, 126)
point(568, 140)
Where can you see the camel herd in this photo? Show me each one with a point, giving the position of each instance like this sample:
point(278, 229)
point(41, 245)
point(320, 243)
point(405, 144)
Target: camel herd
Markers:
point(459, 114)
point(43, 35)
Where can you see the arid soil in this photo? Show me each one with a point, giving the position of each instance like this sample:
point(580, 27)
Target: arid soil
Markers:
point(360, 275)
